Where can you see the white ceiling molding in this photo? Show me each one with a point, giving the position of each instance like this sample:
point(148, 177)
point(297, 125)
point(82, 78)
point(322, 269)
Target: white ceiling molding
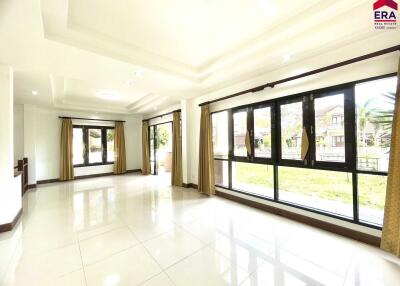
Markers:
point(71, 51)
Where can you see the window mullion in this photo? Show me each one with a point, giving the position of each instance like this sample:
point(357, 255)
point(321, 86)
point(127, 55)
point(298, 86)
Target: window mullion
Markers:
point(310, 127)
point(230, 147)
point(250, 128)
point(86, 145)
point(104, 144)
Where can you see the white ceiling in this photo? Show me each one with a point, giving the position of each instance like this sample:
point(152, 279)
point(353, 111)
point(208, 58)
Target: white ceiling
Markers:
point(72, 50)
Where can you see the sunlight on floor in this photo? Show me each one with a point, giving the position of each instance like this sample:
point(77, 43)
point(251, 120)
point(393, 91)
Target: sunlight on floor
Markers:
point(138, 230)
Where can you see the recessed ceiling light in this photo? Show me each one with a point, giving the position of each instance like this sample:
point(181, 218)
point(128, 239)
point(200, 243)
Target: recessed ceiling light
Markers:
point(130, 82)
point(267, 8)
point(137, 73)
point(34, 92)
point(108, 95)
point(287, 57)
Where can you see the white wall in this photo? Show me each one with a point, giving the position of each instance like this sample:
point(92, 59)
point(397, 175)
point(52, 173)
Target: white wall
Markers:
point(374, 67)
point(18, 133)
point(42, 129)
point(10, 186)
point(30, 141)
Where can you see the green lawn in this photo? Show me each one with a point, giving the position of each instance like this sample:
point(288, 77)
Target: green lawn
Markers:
point(329, 185)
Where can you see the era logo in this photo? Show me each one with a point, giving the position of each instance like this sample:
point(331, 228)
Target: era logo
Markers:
point(385, 13)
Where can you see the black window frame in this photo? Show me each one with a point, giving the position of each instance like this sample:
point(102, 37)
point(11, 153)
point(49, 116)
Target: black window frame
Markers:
point(248, 127)
point(85, 132)
point(307, 98)
point(265, 160)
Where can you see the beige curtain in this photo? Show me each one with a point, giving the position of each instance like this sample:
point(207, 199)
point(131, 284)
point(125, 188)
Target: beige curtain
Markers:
point(176, 176)
point(119, 149)
point(145, 149)
point(391, 224)
point(206, 179)
point(248, 143)
point(305, 144)
point(66, 162)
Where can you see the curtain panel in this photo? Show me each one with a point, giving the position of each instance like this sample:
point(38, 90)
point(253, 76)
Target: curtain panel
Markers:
point(119, 149)
point(145, 149)
point(391, 223)
point(176, 176)
point(206, 179)
point(66, 160)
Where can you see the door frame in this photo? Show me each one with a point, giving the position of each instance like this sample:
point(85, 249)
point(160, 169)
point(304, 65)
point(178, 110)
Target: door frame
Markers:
point(155, 142)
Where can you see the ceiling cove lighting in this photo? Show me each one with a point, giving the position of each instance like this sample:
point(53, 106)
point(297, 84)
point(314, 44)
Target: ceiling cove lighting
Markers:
point(108, 95)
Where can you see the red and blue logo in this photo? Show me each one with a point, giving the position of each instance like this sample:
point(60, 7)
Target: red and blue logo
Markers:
point(385, 14)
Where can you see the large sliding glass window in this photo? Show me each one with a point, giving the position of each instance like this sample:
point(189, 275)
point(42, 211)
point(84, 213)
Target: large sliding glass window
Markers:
point(253, 178)
point(240, 133)
point(374, 101)
point(78, 147)
point(329, 128)
point(221, 170)
point(371, 197)
point(327, 191)
point(344, 134)
point(93, 145)
point(291, 130)
point(374, 111)
point(220, 134)
point(262, 132)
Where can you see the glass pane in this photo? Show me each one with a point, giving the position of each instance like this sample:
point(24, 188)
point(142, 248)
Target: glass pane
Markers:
point(291, 130)
point(262, 132)
point(164, 148)
point(151, 136)
point(371, 197)
point(95, 152)
point(253, 178)
point(220, 134)
point(110, 145)
point(329, 128)
point(374, 111)
point(239, 133)
point(221, 173)
point(317, 189)
point(78, 146)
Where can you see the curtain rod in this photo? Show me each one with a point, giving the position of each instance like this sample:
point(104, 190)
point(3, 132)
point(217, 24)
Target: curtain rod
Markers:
point(92, 119)
point(168, 113)
point(319, 70)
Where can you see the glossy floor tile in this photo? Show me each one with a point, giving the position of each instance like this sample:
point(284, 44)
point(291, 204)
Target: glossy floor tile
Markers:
point(138, 230)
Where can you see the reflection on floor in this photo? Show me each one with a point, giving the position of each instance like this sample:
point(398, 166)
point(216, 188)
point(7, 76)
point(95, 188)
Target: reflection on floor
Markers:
point(137, 230)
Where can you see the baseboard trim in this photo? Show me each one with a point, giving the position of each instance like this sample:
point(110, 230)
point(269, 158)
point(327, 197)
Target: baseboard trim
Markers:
point(343, 231)
point(49, 181)
point(9, 226)
point(40, 182)
point(189, 185)
point(134, 171)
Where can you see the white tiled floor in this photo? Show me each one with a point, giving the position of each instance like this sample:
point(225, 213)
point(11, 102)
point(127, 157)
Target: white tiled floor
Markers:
point(136, 230)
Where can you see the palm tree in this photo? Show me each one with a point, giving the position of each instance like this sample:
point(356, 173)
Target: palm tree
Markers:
point(364, 114)
point(384, 118)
